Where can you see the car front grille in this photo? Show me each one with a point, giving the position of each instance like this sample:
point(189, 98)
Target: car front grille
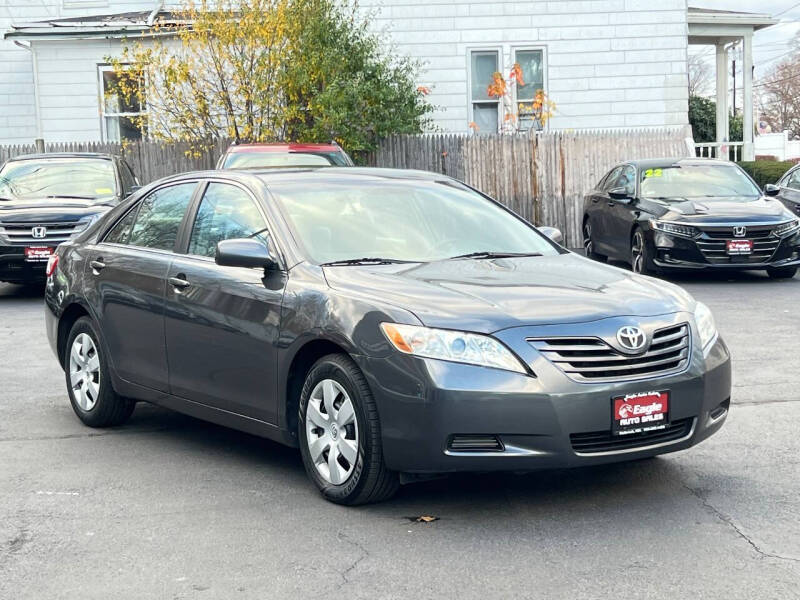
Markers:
point(590, 359)
point(713, 244)
point(21, 234)
point(594, 442)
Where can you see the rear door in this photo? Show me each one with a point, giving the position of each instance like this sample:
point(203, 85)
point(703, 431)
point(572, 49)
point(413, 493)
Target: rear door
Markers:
point(790, 191)
point(129, 267)
point(222, 323)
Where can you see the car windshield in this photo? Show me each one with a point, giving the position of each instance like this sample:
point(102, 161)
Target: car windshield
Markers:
point(283, 160)
point(697, 181)
point(82, 178)
point(414, 221)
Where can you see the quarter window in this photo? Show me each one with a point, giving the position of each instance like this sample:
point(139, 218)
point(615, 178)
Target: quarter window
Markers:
point(226, 212)
point(160, 216)
point(485, 109)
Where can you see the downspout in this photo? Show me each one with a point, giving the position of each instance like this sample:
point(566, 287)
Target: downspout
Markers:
point(151, 18)
point(36, 101)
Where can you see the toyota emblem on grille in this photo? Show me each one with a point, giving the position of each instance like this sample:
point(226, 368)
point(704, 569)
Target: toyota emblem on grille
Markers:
point(631, 338)
point(739, 231)
point(39, 232)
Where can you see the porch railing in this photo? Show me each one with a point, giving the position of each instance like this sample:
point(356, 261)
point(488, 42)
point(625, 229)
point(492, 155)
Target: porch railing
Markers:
point(723, 150)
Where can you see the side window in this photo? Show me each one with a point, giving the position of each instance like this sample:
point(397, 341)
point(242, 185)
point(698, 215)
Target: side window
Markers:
point(160, 216)
point(627, 180)
point(121, 231)
point(226, 212)
point(793, 181)
point(128, 180)
point(611, 179)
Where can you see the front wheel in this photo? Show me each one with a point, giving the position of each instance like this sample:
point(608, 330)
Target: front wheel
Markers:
point(641, 255)
point(781, 272)
point(340, 435)
point(88, 381)
point(588, 243)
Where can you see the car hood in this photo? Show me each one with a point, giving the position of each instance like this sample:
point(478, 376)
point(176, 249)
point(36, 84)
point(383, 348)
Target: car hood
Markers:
point(490, 295)
point(716, 210)
point(51, 210)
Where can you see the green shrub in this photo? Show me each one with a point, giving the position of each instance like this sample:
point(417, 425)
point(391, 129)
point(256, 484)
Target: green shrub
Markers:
point(766, 171)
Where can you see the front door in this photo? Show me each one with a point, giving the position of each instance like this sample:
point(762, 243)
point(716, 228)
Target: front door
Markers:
point(130, 267)
point(790, 192)
point(222, 323)
point(620, 214)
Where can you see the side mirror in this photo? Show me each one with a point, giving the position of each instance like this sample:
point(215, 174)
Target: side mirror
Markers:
point(553, 233)
point(771, 189)
point(243, 252)
point(619, 194)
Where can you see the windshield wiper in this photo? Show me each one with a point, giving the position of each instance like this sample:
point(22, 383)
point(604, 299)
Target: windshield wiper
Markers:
point(489, 254)
point(71, 197)
point(364, 261)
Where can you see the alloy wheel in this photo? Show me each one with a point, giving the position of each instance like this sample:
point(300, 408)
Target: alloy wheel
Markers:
point(637, 253)
point(84, 371)
point(588, 244)
point(332, 431)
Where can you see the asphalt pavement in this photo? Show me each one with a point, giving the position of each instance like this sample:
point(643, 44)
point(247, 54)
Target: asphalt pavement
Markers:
point(171, 507)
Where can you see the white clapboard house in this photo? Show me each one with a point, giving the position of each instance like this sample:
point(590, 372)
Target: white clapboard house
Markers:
point(605, 63)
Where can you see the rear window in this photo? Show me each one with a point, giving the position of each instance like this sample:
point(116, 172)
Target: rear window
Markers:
point(283, 160)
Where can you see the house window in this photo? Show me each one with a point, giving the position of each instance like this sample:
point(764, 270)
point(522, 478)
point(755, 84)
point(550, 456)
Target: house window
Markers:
point(532, 63)
point(485, 109)
point(120, 116)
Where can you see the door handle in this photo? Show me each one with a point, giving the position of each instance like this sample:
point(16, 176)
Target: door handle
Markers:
point(595, 200)
point(179, 283)
point(97, 266)
point(610, 203)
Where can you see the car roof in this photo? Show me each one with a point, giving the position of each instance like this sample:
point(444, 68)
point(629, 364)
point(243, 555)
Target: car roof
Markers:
point(308, 174)
point(244, 148)
point(40, 156)
point(655, 163)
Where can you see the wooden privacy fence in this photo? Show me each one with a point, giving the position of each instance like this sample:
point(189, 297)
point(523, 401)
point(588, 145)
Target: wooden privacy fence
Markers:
point(541, 177)
point(149, 160)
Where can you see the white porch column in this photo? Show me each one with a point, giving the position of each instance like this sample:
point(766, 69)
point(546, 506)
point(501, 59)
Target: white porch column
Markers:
point(722, 93)
point(748, 150)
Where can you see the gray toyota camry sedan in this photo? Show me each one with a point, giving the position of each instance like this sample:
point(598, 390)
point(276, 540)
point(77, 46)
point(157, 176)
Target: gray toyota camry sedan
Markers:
point(390, 324)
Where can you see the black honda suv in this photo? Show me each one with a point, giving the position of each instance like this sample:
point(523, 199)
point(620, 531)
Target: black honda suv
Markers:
point(665, 214)
point(46, 199)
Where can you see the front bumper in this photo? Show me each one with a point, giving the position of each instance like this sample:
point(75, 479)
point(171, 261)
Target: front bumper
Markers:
point(538, 420)
point(15, 269)
point(676, 252)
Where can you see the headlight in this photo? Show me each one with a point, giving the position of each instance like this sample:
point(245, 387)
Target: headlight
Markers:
point(86, 222)
point(786, 228)
point(706, 328)
point(674, 228)
point(457, 346)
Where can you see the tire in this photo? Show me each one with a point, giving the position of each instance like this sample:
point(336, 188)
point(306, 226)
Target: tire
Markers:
point(92, 397)
point(641, 254)
point(588, 243)
point(781, 272)
point(359, 474)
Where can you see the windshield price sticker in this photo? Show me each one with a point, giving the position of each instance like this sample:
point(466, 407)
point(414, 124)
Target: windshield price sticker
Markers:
point(653, 173)
point(639, 412)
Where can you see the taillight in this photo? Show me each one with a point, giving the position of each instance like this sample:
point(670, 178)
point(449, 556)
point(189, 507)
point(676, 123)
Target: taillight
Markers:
point(52, 263)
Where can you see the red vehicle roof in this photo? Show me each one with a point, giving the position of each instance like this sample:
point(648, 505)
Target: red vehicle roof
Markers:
point(284, 148)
